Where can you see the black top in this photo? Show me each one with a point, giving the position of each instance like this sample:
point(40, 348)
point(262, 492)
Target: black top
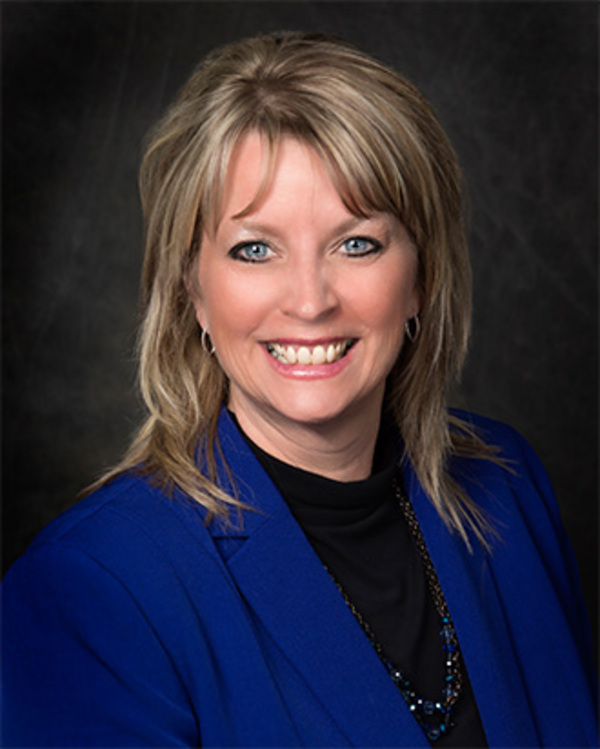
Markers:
point(359, 532)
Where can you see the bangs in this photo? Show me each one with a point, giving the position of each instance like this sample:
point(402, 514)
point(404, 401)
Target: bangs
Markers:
point(366, 185)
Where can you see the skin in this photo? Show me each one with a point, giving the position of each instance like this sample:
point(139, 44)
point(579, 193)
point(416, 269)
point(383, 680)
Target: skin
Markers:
point(301, 270)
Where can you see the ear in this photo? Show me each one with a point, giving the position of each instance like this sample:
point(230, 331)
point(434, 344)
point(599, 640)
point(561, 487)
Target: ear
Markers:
point(192, 286)
point(416, 301)
point(201, 316)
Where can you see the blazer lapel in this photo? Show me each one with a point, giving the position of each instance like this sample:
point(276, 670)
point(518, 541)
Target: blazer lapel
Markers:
point(483, 632)
point(290, 592)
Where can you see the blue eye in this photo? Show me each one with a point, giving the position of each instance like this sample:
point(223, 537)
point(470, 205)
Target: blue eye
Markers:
point(361, 246)
point(251, 252)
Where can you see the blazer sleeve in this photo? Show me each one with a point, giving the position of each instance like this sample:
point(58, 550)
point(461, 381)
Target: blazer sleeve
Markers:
point(83, 665)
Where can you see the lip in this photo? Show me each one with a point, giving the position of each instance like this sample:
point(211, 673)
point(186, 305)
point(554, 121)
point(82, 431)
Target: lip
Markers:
point(309, 342)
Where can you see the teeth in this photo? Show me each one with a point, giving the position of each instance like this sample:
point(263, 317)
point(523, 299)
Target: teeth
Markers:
point(305, 355)
point(318, 355)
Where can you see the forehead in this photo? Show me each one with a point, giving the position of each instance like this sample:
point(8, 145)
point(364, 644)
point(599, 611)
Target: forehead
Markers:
point(260, 172)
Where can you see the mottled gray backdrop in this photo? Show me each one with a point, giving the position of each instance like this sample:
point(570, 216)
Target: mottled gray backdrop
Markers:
point(514, 83)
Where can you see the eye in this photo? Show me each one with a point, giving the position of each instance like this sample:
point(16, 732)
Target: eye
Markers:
point(361, 246)
point(251, 252)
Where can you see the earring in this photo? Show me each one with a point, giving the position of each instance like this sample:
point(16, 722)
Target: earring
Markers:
point(206, 343)
point(412, 328)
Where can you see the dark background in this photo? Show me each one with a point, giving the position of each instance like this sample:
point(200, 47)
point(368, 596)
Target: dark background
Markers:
point(515, 84)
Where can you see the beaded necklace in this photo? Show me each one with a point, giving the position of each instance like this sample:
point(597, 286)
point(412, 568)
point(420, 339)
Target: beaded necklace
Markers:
point(434, 716)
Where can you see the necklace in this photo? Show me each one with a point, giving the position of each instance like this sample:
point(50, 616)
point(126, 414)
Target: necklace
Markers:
point(434, 716)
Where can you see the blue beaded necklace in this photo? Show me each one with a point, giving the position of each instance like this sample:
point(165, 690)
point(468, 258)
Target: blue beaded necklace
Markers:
point(434, 716)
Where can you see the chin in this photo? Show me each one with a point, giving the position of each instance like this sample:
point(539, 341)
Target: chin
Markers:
point(317, 412)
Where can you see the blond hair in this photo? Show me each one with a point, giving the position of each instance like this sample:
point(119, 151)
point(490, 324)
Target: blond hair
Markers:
point(386, 151)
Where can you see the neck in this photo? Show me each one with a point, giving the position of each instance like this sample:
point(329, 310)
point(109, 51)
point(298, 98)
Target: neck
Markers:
point(342, 451)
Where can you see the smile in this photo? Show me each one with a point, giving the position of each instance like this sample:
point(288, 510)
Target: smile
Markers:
point(327, 353)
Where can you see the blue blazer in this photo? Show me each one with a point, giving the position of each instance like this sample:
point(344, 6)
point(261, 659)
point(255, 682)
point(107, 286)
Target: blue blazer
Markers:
point(131, 622)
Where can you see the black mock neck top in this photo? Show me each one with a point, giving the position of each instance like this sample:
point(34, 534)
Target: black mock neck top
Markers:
point(359, 532)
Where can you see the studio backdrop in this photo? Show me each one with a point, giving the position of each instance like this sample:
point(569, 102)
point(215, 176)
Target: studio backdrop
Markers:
point(515, 84)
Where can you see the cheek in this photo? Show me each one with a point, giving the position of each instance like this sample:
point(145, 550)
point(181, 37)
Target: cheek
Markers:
point(233, 306)
point(407, 288)
point(388, 299)
point(217, 298)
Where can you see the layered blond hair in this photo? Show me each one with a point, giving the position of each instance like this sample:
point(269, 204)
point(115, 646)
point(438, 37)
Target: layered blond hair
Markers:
point(386, 151)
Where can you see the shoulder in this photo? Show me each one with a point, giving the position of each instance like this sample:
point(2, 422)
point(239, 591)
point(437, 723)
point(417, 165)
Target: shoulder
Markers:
point(514, 459)
point(122, 531)
point(492, 432)
point(511, 485)
point(127, 501)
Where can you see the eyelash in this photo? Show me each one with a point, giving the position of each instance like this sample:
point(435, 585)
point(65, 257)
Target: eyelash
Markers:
point(373, 249)
point(237, 252)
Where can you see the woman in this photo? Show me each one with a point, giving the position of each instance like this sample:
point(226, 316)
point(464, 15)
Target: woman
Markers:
point(303, 547)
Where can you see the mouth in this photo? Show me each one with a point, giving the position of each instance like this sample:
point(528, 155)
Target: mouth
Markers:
point(307, 355)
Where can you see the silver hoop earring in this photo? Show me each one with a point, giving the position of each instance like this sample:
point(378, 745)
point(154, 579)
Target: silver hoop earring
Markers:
point(412, 328)
point(206, 343)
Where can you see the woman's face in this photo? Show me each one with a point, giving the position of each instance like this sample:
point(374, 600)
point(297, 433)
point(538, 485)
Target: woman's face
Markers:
point(305, 302)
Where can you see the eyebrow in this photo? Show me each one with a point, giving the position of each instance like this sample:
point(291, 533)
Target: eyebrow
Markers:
point(265, 229)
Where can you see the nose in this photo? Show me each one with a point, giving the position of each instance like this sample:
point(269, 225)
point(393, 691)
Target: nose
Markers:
point(309, 292)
